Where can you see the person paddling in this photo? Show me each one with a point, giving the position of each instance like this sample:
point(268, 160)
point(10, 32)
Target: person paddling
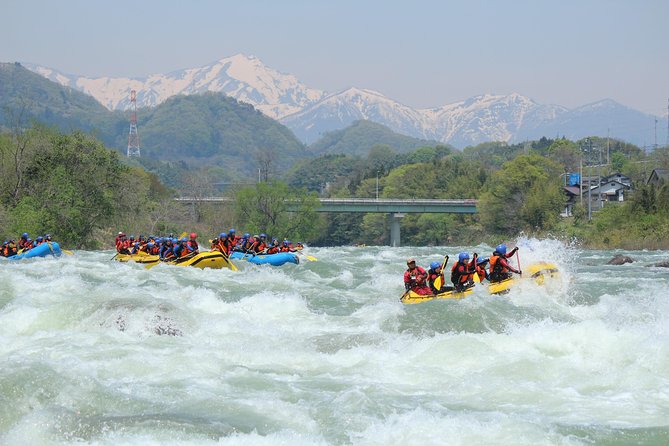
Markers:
point(499, 266)
point(462, 273)
point(415, 278)
point(433, 273)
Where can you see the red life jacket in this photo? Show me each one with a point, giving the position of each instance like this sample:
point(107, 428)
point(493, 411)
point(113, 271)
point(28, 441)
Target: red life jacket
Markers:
point(460, 274)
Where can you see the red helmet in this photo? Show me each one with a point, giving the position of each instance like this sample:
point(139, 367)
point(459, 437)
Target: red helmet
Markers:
point(193, 235)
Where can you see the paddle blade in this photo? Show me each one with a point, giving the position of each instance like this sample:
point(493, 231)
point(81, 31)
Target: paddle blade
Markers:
point(438, 282)
point(151, 265)
point(312, 258)
point(69, 253)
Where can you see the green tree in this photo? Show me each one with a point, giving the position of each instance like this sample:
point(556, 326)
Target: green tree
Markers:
point(522, 195)
point(265, 208)
point(566, 153)
point(75, 183)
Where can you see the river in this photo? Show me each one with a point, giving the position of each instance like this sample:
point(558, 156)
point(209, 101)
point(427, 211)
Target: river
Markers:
point(97, 352)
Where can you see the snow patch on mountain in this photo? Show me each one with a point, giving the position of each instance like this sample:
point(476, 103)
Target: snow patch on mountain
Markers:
point(243, 77)
point(310, 113)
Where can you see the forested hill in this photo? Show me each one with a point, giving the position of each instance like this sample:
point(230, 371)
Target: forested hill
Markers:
point(210, 129)
point(361, 136)
point(26, 96)
point(215, 129)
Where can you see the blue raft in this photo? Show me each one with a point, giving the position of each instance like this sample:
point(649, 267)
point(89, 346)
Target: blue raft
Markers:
point(43, 250)
point(277, 259)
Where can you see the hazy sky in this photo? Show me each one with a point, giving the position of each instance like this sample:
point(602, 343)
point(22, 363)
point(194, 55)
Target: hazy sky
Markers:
point(420, 53)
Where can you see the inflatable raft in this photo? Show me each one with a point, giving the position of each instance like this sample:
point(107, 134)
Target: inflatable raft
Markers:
point(43, 250)
point(204, 259)
point(140, 257)
point(277, 259)
point(411, 297)
point(539, 272)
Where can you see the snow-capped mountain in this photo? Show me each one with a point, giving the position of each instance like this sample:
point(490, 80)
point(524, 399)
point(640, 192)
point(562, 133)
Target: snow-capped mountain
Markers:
point(310, 113)
point(243, 77)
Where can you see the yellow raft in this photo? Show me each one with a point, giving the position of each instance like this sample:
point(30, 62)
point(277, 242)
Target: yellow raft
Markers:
point(140, 257)
point(411, 297)
point(538, 272)
point(204, 259)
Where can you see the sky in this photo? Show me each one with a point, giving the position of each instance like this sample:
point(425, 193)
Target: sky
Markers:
point(422, 53)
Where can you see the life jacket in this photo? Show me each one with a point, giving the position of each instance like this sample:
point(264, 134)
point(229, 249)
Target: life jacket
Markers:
point(220, 246)
point(22, 243)
point(480, 270)
point(192, 245)
point(416, 276)
point(460, 273)
point(182, 250)
point(258, 246)
point(496, 266)
point(432, 276)
point(273, 249)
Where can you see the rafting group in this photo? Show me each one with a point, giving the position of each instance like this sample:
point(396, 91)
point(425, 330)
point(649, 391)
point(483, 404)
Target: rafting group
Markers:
point(185, 250)
point(11, 247)
point(168, 248)
point(421, 285)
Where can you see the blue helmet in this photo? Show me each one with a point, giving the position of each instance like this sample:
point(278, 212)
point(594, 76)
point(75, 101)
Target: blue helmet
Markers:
point(247, 235)
point(48, 236)
point(222, 235)
point(151, 245)
point(483, 260)
point(435, 265)
point(24, 235)
point(263, 235)
point(231, 231)
point(463, 256)
point(184, 239)
point(40, 238)
point(501, 249)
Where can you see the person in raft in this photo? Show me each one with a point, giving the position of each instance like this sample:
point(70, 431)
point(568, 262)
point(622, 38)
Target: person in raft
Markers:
point(415, 278)
point(499, 266)
point(432, 274)
point(462, 273)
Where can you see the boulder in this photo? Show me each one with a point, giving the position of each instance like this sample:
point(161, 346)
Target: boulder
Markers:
point(664, 264)
point(619, 259)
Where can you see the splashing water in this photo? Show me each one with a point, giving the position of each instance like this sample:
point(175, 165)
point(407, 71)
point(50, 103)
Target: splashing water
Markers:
point(104, 353)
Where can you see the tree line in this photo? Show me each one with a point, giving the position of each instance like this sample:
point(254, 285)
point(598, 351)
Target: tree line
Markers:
point(73, 187)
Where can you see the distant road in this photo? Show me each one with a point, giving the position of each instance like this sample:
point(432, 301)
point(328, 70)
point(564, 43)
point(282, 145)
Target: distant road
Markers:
point(372, 205)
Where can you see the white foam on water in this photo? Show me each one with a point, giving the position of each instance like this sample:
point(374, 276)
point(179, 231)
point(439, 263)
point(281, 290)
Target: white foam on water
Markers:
point(99, 352)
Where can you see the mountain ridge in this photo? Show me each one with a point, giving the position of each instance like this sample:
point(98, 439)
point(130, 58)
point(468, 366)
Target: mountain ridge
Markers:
point(311, 113)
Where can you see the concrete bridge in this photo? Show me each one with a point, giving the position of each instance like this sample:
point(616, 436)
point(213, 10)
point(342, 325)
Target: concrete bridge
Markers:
point(394, 207)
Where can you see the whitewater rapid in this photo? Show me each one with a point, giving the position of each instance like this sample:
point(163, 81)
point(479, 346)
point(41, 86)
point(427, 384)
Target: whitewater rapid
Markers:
point(104, 353)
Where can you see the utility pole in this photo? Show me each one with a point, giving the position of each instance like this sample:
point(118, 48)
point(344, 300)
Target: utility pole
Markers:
point(589, 183)
point(133, 136)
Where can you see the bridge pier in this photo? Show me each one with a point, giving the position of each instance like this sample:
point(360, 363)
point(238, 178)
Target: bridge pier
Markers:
point(394, 219)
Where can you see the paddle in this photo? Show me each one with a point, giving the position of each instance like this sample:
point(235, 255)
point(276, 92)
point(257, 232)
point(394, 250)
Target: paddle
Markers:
point(518, 260)
point(438, 282)
point(310, 258)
